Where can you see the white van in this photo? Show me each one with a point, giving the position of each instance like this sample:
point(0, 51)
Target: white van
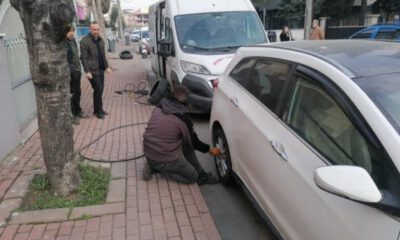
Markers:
point(194, 41)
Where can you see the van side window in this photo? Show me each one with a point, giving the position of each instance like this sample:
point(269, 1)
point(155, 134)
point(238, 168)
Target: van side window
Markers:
point(167, 29)
point(162, 24)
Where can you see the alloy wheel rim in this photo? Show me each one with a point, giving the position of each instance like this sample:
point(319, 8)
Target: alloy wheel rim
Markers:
point(221, 159)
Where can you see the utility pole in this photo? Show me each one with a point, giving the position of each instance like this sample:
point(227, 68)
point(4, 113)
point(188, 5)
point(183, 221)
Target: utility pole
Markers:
point(120, 20)
point(308, 19)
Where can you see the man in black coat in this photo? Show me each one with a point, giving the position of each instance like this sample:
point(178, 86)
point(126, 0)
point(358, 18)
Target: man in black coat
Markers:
point(95, 64)
point(75, 70)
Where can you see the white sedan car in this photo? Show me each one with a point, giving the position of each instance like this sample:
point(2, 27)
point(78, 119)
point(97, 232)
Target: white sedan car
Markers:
point(312, 130)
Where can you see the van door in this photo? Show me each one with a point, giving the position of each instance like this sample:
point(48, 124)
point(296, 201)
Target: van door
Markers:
point(157, 32)
point(153, 11)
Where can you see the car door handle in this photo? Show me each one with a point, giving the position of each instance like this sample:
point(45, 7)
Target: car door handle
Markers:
point(235, 101)
point(280, 149)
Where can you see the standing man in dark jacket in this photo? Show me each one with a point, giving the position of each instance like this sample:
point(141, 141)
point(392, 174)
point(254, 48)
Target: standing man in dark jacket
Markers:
point(95, 64)
point(170, 140)
point(75, 69)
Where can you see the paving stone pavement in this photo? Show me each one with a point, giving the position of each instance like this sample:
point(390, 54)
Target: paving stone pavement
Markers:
point(135, 209)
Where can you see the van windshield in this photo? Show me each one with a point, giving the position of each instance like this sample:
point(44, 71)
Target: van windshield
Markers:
point(219, 31)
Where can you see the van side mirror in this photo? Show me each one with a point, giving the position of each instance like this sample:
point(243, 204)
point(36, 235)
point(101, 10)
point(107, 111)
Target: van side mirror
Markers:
point(348, 181)
point(165, 48)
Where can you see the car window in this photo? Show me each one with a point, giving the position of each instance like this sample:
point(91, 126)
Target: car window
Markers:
point(266, 81)
point(389, 34)
point(241, 71)
point(319, 120)
point(366, 34)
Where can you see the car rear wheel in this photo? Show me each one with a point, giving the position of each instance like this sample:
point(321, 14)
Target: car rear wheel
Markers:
point(223, 161)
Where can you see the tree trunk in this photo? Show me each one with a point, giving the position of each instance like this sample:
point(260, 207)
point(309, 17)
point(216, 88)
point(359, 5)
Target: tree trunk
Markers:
point(44, 22)
point(105, 5)
point(363, 12)
point(97, 9)
point(308, 19)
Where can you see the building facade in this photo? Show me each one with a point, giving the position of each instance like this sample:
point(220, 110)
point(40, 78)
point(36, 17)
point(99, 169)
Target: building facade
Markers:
point(17, 94)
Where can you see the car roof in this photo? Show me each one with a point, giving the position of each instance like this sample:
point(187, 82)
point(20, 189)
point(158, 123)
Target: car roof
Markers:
point(356, 58)
point(393, 25)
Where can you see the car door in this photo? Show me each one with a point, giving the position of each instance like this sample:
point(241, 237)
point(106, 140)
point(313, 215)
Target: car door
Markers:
point(253, 103)
point(225, 101)
point(319, 127)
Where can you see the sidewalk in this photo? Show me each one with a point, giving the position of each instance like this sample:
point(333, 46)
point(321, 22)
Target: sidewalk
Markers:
point(135, 209)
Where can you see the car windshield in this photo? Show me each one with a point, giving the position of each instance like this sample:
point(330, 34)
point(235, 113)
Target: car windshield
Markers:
point(384, 90)
point(219, 31)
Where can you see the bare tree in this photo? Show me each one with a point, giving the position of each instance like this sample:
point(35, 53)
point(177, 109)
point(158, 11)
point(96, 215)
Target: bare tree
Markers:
point(44, 22)
point(97, 7)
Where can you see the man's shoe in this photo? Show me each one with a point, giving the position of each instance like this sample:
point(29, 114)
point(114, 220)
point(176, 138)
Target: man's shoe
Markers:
point(104, 113)
point(147, 172)
point(80, 115)
point(206, 178)
point(75, 121)
point(99, 116)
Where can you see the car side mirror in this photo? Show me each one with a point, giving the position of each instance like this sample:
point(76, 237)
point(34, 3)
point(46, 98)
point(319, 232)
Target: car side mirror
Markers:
point(348, 181)
point(165, 48)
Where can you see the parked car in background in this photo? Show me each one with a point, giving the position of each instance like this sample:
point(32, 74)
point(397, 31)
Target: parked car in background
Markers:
point(135, 36)
point(312, 130)
point(144, 33)
point(381, 32)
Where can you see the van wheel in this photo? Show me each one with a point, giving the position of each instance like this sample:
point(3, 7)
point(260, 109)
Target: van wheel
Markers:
point(158, 91)
point(223, 162)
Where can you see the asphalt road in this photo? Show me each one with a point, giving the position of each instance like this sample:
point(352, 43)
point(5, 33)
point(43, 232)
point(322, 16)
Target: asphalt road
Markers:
point(234, 215)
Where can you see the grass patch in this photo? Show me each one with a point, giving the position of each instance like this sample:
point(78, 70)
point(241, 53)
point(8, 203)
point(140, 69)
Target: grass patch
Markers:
point(91, 191)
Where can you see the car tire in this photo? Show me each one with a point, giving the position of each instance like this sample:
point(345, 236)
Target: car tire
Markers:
point(158, 91)
point(223, 162)
point(125, 55)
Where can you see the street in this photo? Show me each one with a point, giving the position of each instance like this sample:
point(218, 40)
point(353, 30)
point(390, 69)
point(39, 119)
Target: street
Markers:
point(234, 215)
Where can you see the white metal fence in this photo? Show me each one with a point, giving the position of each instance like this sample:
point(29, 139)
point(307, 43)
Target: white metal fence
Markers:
point(18, 61)
point(17, 58)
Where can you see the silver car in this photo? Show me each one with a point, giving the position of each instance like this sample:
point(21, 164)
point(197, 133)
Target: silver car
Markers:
point(312, 130)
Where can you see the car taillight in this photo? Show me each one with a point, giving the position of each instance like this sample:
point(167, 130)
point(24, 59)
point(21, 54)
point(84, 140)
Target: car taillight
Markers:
point(215, 83)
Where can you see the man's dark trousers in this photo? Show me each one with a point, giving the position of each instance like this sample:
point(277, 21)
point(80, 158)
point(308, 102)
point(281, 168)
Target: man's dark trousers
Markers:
point(97, 83)
point(184, 170)
point(75, 90)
